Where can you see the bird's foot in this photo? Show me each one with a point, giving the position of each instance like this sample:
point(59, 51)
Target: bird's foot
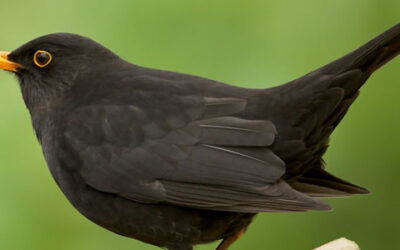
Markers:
point(227, 242)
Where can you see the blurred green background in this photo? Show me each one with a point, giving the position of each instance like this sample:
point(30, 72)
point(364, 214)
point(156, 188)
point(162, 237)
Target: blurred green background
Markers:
point(246, 43)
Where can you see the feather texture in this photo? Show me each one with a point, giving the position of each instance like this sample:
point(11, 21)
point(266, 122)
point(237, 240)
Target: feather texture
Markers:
point(202, 157)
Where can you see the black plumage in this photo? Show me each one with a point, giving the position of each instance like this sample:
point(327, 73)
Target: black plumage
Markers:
point(176, 160)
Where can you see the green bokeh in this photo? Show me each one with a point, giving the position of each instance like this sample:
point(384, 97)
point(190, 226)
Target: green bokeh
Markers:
point(246, 43)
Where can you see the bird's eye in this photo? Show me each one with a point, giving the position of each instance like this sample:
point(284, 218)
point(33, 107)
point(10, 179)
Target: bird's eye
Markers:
point(42, 58)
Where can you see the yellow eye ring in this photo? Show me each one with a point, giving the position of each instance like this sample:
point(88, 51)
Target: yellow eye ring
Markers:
point(42, 58)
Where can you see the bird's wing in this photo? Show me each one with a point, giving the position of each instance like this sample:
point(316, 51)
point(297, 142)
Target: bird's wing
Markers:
point(192, 152)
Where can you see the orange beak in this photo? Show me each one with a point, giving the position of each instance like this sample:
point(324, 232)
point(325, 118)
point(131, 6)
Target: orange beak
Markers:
point(6, 64)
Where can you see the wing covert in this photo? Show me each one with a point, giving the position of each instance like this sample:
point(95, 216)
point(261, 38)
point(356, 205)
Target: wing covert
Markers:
point(193, 153)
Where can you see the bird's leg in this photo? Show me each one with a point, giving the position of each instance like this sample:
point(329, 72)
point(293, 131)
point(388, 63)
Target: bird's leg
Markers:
point(228, 241)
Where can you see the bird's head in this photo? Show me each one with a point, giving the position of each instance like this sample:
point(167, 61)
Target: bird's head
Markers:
point(50, 64)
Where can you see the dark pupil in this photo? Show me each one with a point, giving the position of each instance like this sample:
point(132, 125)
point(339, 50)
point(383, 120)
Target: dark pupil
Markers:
point(42, 58)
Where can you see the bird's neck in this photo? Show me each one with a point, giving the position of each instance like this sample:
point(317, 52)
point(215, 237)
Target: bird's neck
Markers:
point(41, 105)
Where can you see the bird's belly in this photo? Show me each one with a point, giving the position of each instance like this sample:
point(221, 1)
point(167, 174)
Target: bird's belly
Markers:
point(157, 224)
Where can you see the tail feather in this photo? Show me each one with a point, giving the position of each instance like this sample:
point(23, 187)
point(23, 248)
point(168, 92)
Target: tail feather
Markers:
point(371, 56)
point(319, 183)
point(315, 104)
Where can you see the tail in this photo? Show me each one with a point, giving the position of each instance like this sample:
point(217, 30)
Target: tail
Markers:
point(370, 56)
point(317, 182)
point(313, 106)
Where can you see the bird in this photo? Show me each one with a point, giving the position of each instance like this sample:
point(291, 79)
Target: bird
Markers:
point(175, 160)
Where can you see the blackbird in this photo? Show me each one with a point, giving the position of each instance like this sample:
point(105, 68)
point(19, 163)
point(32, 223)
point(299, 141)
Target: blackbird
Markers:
point(176, 160)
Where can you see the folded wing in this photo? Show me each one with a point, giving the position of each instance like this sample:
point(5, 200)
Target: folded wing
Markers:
point(194, 153)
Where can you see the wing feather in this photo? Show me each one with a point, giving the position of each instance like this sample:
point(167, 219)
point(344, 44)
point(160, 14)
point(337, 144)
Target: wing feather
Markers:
point(201, 157)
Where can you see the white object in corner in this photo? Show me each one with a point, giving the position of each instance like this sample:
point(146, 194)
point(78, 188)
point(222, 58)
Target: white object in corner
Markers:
point(339, 244)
